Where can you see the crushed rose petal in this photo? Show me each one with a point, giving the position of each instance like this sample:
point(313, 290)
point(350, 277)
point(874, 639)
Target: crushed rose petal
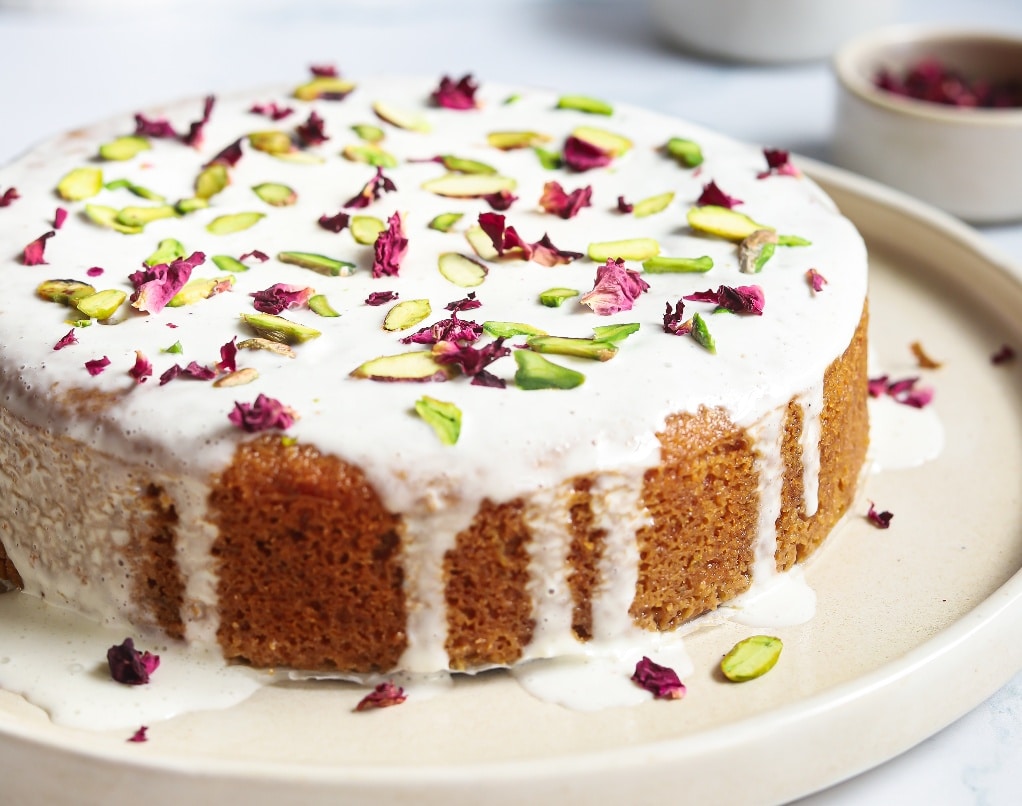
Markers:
point(660, 681)
point(228, 356)
point(779, 163)
point(453, 330)
point(566, 205)
point(881, 520)
point(261, 415)
point(546, 254)
point(390, 248)
point(501, 200)
point(142, 369)
point(623, 206)
point(271, 110)
point(194, 370)
point(161, 128)
point(465, 304)
point(155, 286)
point(129, 666)
point(377, 298)
point(280, 297)
point(903, 391)
point(745, 299)
point(929, 80)
point(95, 271)
point(66, 340)
point(140, 735)
point(1004, 355)
point(195, 130)
point(313, 131)
point(508, 242)
point(372, 190)
point(97, 365)
point(616, 288)
point(713, 195)
point(453, 94)
point(34, 253)
point(255, 254)
point(324, 70)
point(674, 319)
point(59, 217)
point(334, 223)
point(816, 280)
point(9, 196)
point(229, 156)
point(580, 155)
point(471, 360)
point(383, 696)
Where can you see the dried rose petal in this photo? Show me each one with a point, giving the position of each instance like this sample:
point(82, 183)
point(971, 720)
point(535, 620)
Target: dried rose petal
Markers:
point(567, 205)
point(503, 237)
point(545, 253)
point(155, 286)
point(903, 391)
point(881, 520)
point(139, 735)
point(129, 666)
point(877, 386)
point(674, 322)
point(816, 280)
point(713, 195)
point(324, 70)
point(229, 156)
point(471, 360)
point(194, 370)
point(142, 368)
point(660, 681)
point(144, 127)
point(389, 248)
point(312, 132)
point(95, 271)
point(929, 80)
point(59, 217)
point(9, 196)
point(383, 696)
point(373, 189)
point(161, 128)
point(255, 254)
point(580, 155)
point(380, 298)
point(194, 135)
point(280, 297)
point(778, 162)
point(456, 94)
point(453, 329)
point(334, 223)
point(501, 200)
point(66, 340)
point(271, 110)
point(746, 299)
point(1004, 355)
point(466, 304)
point(623, 206)
point(97, 365)
point(263, 414)
point(616, 288)
point(34, 253)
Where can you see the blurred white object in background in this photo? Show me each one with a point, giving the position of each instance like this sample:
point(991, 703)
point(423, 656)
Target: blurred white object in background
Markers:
point(768, 31)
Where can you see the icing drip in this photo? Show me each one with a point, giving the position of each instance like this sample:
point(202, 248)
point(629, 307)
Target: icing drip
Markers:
point(768, 434)
point(812, 409)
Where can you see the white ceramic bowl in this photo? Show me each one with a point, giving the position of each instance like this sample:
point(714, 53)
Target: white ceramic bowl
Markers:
point(967, 161)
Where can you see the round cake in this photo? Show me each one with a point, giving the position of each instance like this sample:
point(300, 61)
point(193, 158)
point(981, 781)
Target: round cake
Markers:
point(401, 374)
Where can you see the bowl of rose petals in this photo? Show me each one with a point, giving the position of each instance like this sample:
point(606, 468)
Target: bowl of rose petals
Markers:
point(936, 113)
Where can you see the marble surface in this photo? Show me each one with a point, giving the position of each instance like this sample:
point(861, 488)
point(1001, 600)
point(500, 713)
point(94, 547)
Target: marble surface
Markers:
point(66, 63)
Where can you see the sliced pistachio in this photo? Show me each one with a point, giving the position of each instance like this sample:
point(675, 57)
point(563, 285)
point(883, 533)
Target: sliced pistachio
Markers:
point(465, 186)
point(275, 194)
point(406, 314)
point(687, 152)
point(268, 345)
point(701, 333)
point(167, 251)
point(107, 217)
point(463, 271)
point(751, 658)
point(614, 144)
point(175, 348)
point(415, 366)
point(513, 98)
point(197, 289)
point(277, 328)
point(443, 417)
point(654, 204)
point(140, 216)
point(628, 249)
point(78, 322)
point(271, 142)
point(368, 132)
point(549, 160)
point(80, 183)
point(401, 118)
point(66, 292)
point(239, 377)
point(370, 154)
point(536, 372)
point(136, 190)
point(677, 265)
point(323, 87)
point(124, 148)
point(211, 180)
point(445, 221)
point(365, 229)
point(508, 141)
point(793, 240)
point(102, 304)
point(481, 243)
point(186, 206)
point(723, 222)
point(235, 222)
point(321, 263)
point(228, 263)
point(507, 330)
point(593, 349)
point(465, 166)
point(583, 103)
point(615, 333)
point(553, 297)
point(755, 250)
point(318, 305)
point(298, 157)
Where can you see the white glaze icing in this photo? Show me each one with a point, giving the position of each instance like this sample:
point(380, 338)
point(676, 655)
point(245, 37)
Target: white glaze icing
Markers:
point(809, 440)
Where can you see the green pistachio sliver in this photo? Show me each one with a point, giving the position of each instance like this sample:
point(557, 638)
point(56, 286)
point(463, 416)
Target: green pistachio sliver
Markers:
point(140, 216)
point(756, 250)
point(445, 221)
point(793, 240)
point(102, 304)
point(553, 297)
point(584, 103)
point(234, 222)
point(124, 148)
point(279, 329)
point(368, 132)
point(510, 140)
point(175, 348)
point(751, 658)
point(481, 243)
point(465, 166)
point(167, 251)
point(370, 154)
point(211, 180)
point(80, 183)
point(615, 333)
point(549, 160)
point(463, 271)
point(443, 417)
point(401, 118)
point(613, 144)
point(513, 98)
point(277, 348)
point(466, 186)
point(78, 322)
point(507, 330)
point(107, 217)
point(701, 333)
point(298, 157)
point(687, 152)
point(136, 190)
point(239, 377)
point(318, 305)
point(321, 263)
point(228, 263)
point(365, 229)
point(186, 206)
point(723, 222)
point(677, 265)
point(406, 314)
point(414, 366)
point(592, 349)
point(66, 292)
point(536, 372)
point(323, 87)
point(198, 289)
point(275, 194)
point(652, 205)
point(628, 249)
point(271, 142)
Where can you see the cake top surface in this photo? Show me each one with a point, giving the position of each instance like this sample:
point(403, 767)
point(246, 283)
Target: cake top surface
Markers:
point(511, 438)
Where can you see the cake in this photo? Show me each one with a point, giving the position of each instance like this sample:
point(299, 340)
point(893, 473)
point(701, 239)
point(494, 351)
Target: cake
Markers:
point(535, 448)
